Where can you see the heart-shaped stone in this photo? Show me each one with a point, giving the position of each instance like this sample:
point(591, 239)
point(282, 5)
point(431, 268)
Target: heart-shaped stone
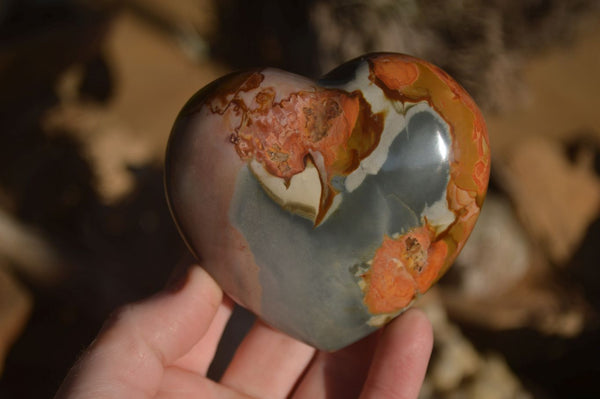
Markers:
point(326, 207)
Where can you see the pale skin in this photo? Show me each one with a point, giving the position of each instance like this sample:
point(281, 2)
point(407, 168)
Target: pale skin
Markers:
point(162, 348)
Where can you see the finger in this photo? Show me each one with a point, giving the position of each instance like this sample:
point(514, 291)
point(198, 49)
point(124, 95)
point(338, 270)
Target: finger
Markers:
point(401, 358)
point(128, 357)
point(199, 358)
point(267, 363)
point(339, 374)
point(182, 384)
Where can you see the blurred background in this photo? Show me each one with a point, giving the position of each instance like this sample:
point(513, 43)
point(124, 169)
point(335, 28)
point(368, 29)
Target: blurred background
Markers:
point(89, 91)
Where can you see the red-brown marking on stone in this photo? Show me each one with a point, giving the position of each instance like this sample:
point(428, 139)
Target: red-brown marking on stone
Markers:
point(281, 134)
point(252, 82)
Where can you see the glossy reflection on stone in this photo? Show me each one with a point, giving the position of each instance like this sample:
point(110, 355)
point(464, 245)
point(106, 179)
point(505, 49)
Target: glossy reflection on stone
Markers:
point(326, 207)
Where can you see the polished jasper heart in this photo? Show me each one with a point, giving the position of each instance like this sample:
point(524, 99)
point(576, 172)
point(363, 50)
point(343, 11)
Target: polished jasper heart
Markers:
point(326, 207)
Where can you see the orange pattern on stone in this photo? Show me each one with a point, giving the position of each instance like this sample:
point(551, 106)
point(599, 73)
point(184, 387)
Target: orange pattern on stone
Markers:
point(469, 169)
point(395, 73)
point(402, 268)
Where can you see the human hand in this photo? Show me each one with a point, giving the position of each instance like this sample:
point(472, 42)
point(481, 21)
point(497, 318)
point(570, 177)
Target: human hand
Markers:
point(162, 348)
